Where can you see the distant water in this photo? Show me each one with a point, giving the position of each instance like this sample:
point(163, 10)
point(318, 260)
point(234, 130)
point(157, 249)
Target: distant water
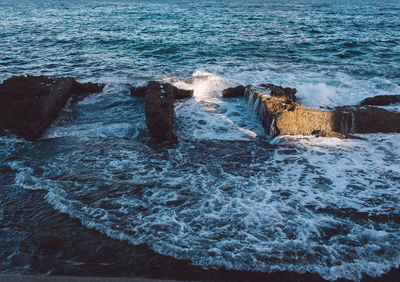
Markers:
point(227, 196)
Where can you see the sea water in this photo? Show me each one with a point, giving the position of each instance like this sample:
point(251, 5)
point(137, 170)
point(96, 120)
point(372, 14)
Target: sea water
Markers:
point(227, 196)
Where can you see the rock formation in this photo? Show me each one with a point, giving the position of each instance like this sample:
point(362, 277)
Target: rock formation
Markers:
point(382, 100)
point(234, 92)
point(159, 111)
point(138, 91)
point(279, 91)
point(282, 116)
point(28, 104)
point(177, 93)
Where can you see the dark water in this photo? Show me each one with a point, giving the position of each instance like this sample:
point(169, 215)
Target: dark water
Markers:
point(96, 196)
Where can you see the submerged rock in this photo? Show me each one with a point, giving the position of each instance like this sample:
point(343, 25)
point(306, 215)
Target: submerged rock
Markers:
point(28, 104)
point(233, 92)
point(282, 117)
point(382, 100)
point(177, 93)
point(159, 111)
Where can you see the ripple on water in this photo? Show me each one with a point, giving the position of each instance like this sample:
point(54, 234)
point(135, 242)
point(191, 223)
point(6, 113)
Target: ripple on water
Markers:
point(303, 205)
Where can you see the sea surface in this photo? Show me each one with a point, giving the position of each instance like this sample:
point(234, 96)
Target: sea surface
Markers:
point(96, 196)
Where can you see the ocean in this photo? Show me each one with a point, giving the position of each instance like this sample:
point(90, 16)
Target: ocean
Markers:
point(97, 196)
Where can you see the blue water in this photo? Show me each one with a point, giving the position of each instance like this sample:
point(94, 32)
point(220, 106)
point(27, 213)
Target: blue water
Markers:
point(351, 46)
point(227, 196)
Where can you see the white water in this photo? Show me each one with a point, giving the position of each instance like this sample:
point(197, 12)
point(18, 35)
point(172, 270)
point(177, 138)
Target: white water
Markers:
point(224, 197)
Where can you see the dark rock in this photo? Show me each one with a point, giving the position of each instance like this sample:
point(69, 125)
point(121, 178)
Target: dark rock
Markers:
point(28, 104)
point(281, 118)
point(86, 88)
point(138, 91)
point(233, 92)
point(382, 100)
point(279, 91)
point(177, 92)
point(159, 111)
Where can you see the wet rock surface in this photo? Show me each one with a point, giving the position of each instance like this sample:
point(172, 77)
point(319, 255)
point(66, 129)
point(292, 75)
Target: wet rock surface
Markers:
point(382, 100)
point(86, 88)
point(279, 91)
point(159, 111)
point(234, 92)
point(280, 117)
point(138, 91)
point(28, 104)
point(177, 93)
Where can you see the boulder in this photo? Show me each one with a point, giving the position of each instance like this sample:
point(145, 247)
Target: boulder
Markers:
point(382, 100)
point(28, 104)
point(177, 93)
point(233, 92)
point(159, 112)
point(279, 91)
point(86, 88)
point(138, 91)
point(279, 116)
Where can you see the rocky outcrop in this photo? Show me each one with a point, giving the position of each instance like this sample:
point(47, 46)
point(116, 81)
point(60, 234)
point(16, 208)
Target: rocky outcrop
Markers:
point(138, 91)
point(233, 92)
point(281, 116)
point(86, 88)
point(177, 93)
point(28, 104)
point(279, 91)
point(159, 111)
point(382, 100)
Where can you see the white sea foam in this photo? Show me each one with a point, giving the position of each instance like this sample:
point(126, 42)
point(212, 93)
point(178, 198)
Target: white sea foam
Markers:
point(315, 88)
point(327, 206)
point(208, 116)
point(223, 197)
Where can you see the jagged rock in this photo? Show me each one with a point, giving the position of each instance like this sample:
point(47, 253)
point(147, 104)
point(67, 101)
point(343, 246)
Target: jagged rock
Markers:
point(28, 104)
point(280, 117)
point(233, 92)
point(177, 93)
point(86, 88)
point(279, 91)
point(159, 111)
point(138, 91)
point(382, 100)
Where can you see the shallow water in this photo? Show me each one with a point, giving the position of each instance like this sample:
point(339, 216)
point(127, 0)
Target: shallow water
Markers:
point(226, 196)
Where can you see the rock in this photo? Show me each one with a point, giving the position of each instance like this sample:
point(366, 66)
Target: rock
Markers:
point(382, 100)
point(159, 111)
point(138, 91)
point(28, 104)
point(233, 92)
point(177, 93)
point(86, 88)
point(280, 117)
point(279, 91)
